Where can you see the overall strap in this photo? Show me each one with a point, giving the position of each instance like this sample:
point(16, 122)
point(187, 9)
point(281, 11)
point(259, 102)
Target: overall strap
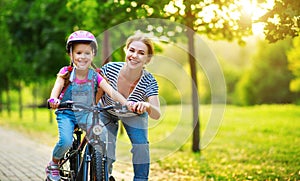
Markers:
point(92, 77)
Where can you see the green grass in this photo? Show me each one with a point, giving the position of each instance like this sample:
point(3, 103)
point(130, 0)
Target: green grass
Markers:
point(252, 143)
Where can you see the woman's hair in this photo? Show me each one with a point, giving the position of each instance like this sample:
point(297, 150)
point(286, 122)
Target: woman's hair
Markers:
point(141, 37)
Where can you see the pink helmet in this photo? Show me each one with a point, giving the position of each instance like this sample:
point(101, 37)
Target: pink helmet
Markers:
point(82, 36)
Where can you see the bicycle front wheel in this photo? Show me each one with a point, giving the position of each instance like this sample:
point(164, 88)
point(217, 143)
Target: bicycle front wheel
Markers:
point(99, 171)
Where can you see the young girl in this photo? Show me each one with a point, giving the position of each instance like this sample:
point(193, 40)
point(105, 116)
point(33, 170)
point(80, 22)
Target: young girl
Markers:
point(139, 86)
point(77, 82)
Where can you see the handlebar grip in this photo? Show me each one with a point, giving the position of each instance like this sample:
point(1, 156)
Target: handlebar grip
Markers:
point(67, 104)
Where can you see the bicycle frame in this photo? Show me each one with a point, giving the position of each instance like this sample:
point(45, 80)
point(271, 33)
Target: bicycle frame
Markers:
point(83, 158)
point(80, 159)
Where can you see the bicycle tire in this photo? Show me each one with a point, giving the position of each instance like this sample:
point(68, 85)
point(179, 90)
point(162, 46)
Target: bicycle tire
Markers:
point(98, 166)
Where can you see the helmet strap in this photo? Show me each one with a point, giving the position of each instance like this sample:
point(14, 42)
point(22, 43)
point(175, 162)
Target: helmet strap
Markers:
point(72, 75)
point(71, 56)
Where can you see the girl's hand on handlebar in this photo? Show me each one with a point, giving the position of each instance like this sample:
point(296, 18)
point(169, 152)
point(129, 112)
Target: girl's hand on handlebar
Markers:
point(53, 103)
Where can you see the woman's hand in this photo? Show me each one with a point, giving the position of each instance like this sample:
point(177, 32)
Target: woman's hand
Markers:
point(53, 103)
point(129, 105)
point(141, 107)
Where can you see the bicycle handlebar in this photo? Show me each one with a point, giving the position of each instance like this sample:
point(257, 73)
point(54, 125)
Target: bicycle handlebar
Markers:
point(76, 106)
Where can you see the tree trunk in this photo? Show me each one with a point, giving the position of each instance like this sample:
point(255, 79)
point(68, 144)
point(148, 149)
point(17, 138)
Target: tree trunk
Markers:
point(1, 102)
point(106, 48)
point(195, 102)
point(34, 104)
point(190, 18)
point(20, 100)
point(8, 103)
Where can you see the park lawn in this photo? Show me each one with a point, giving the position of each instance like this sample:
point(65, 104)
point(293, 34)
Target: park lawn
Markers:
point(252, 143)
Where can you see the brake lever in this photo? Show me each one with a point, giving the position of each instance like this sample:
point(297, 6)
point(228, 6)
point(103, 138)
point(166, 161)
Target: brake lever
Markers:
point(118, 106)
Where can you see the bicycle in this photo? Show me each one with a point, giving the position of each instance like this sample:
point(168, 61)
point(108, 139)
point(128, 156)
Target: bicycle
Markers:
point(87, 158)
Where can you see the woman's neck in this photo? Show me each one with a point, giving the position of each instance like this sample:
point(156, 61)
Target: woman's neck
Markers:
point(131, 74)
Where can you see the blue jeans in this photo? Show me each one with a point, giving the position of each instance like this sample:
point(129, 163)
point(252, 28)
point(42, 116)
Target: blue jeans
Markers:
point(137, 130)
point(66, 122)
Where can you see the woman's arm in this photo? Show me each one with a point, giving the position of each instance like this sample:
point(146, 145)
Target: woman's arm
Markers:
point(152, 107)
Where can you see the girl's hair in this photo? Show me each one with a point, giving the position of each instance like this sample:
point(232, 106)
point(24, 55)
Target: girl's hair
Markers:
point(141, 37)
point(66, 75)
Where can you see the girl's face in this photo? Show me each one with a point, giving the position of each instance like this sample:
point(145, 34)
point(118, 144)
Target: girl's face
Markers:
point(137, 55)
point(82, 55)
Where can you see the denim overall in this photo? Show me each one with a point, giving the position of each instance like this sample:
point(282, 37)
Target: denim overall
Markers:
point(67, 119)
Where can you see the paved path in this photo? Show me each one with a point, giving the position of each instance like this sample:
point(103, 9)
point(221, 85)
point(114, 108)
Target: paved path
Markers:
point(21, 158)
point(24, 159)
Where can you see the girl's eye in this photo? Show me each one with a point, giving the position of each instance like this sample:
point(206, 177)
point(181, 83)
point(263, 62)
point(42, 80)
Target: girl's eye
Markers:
point(85, 53)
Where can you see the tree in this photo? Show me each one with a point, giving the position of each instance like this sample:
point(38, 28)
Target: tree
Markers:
point(8, 55)
point(282, 20)
point(268, 79)
point(213, 18)
point(37, 30)
point(216, 21)
point(294, 65)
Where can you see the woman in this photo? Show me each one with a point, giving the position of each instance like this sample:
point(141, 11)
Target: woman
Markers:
point(139, 86)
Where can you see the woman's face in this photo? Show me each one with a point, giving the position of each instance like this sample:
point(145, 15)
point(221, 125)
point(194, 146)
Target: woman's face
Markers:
point(137, 55)
point(82, 56)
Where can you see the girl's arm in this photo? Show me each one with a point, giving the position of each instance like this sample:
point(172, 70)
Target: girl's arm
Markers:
point(99, 94)
point(152, 107)
point(57, 88)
